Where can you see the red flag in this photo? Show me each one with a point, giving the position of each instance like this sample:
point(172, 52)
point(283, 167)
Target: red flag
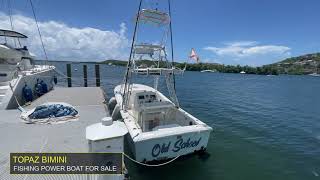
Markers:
point(194, 56)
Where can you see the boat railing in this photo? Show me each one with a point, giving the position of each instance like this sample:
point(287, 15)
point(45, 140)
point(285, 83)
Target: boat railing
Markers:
point(154, 17)
point(158, 71)
point(153, 104)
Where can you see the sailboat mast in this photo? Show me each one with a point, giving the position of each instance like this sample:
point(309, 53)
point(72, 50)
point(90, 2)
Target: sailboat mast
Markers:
point(39, 32)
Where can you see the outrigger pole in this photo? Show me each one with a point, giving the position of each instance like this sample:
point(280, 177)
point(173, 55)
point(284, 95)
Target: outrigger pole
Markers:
point(130, 58)
point(171, 39)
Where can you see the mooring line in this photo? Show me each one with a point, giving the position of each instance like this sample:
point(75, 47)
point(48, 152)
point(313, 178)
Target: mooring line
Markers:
point(40, 151)
point(150, 165)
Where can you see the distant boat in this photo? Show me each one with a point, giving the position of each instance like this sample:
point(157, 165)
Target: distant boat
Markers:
point(242, 72)
point(208, 70)
point(110, 64)
point(314, 74)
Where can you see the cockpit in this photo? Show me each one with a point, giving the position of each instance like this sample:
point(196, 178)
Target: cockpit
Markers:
point(146, 98)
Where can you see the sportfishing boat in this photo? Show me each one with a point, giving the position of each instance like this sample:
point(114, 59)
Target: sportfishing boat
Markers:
point(159, 129)
point(20, 79)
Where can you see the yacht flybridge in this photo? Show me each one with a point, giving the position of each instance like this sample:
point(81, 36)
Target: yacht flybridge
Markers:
point(18, 72)
point(159, 128)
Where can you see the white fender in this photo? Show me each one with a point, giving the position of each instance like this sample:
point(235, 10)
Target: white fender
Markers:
point(116, 113)
point(111, 104)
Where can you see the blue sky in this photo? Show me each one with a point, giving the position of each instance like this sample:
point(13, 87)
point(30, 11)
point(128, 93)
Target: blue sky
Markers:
point(225, 31)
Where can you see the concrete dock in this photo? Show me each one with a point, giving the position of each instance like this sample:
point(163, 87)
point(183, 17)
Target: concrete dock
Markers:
point(17, 136)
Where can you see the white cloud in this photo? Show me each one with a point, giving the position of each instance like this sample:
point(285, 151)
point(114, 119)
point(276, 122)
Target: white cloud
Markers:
point(249, 52)
point(241, 43)
point(63, 42)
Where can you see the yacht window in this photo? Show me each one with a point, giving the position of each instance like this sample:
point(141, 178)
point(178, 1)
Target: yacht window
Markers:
point(141, 97)
point(152, 96)
point(3, 74)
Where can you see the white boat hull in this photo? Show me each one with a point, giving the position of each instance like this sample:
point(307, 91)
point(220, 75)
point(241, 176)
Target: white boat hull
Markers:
point(169, 146)
point(166, 142)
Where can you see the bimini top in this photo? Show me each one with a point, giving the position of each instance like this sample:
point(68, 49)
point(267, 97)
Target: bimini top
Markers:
point(147, 48)
point(9, 33)
point(154, 16)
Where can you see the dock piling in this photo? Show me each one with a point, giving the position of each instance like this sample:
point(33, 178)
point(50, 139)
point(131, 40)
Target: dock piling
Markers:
point(97, 70)
point(85, 75)
point(69, 75)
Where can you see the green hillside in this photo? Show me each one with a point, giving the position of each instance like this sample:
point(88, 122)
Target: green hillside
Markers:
point(306, 64)
point(300, 65)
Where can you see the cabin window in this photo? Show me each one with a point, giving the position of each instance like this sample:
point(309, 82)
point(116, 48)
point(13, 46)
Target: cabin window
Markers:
point(3, 74)
point(153, 97)
point(153, 123)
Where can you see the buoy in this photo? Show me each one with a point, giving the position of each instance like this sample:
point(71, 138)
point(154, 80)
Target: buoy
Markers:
point(116, 113)
point(55, 79)
point(112, 103)
point(38, 88)
point(27, 93)
point(44, 87)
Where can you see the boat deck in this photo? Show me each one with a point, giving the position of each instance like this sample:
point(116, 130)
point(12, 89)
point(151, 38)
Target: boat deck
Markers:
point(17, 136)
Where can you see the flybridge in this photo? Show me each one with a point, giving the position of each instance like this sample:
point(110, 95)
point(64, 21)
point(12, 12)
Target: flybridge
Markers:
point(154, 16)
point(9, 33)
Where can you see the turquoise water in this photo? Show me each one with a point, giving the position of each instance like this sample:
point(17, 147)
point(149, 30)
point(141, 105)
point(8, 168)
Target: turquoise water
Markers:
point(265, 127)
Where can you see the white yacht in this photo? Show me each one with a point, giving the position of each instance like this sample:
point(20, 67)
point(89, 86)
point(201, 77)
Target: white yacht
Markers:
point(209, 71)
point(159, 129)
point(18, 73)
point(314, 74)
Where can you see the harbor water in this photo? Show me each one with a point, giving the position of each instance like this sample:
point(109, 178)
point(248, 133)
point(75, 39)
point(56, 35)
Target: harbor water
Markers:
point(265, 127)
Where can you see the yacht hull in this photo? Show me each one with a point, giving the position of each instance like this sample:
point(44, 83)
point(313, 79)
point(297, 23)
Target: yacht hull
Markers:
point(9, 101)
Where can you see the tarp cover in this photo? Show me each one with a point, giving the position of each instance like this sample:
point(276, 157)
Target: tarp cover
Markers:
point(50, 113)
